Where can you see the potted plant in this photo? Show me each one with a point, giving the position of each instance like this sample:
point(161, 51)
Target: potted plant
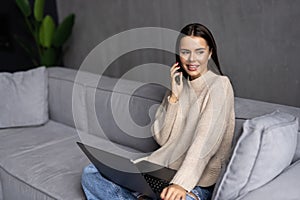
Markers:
point(48, 37)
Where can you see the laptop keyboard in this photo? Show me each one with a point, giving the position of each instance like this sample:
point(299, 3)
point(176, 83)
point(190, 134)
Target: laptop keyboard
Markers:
point(155, 183)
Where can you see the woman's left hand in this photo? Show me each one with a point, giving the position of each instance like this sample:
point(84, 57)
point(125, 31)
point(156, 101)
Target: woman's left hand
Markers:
point(173, 192)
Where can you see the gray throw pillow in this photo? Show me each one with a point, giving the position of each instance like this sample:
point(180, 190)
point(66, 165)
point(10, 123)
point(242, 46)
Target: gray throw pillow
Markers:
point(265, 148)
point(297, 153)
point(24, 98)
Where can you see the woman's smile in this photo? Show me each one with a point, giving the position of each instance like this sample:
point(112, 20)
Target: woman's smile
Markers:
point(192, 67)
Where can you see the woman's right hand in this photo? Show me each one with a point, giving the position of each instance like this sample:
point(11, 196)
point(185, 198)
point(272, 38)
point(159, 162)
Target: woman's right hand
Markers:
point(176, 88)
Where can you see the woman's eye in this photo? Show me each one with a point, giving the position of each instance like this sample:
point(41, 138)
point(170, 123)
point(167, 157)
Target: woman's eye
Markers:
point(184, 52)
point(200, 52)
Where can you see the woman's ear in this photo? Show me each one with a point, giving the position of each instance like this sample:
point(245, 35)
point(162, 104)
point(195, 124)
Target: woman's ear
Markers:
point(210, 53)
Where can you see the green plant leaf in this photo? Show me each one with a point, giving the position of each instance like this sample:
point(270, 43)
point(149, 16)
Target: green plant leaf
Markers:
point(49, 57)
point(39, 9)
point(24, 6)
point(63, 31)
point(47, 31)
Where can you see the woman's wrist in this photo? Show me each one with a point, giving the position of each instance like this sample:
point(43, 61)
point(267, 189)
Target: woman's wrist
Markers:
point(173, 98)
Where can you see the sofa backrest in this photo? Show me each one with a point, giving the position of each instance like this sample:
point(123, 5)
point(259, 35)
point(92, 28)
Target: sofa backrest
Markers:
point(60, 88)
point(123, 110)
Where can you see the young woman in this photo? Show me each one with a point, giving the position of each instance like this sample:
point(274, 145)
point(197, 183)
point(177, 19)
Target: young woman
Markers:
point(194, 124)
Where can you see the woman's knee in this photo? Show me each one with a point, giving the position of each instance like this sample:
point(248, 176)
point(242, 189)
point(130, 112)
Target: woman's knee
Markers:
point(87, 174)
point(89, 169)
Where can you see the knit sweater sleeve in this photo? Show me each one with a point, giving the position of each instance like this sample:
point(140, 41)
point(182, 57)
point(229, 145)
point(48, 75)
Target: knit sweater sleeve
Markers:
point(209, 132)
point(164, 120)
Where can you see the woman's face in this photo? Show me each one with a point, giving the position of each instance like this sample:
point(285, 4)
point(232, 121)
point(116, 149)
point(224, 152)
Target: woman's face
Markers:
point(194, 55)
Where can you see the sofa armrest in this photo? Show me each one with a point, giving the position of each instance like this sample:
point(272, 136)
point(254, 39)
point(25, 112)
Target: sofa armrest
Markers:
point(285, 186)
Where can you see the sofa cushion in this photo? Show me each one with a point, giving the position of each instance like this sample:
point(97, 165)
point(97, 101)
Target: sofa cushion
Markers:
point(44, 162)
point(285, 186)
point(53, 169)
point(65, 105)
point(119, 110)
point(41, 162)
point(24, 98)
point(23, 139)
point(123, 111)
point(297, 152)
point(248, 108)
point(267, 142)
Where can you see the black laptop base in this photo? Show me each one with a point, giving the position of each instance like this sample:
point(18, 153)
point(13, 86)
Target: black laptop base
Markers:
point(125, 173)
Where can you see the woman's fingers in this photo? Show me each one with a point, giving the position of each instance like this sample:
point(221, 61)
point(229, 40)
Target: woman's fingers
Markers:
point(174, 192)
point(163, 193)
point(169, 194)
point(174, 65)
point(173, 195)
point(175, 75)
point(174, 68)
point(179, 197)
point(176, 81)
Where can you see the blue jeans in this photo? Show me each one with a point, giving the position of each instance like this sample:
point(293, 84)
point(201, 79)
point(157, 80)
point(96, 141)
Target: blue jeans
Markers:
point(96, 187)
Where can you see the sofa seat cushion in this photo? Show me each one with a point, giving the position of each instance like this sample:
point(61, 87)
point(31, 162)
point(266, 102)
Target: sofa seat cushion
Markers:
point(285, 186)
point(45, 162)
point(20, 140)
point(53, 169)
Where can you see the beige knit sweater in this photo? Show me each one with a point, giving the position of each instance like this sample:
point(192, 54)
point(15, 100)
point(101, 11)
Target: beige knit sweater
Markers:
point(196, 132)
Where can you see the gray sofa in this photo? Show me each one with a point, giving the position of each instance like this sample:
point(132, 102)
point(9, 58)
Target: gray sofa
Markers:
point(44, 162)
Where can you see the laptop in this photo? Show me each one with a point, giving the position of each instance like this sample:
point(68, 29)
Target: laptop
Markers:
point(144, 177)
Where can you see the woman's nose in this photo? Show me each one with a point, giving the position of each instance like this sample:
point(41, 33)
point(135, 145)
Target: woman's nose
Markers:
point(192, 57)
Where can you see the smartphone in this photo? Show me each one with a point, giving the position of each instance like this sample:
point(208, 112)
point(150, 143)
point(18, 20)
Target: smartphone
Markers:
point(177, 78)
